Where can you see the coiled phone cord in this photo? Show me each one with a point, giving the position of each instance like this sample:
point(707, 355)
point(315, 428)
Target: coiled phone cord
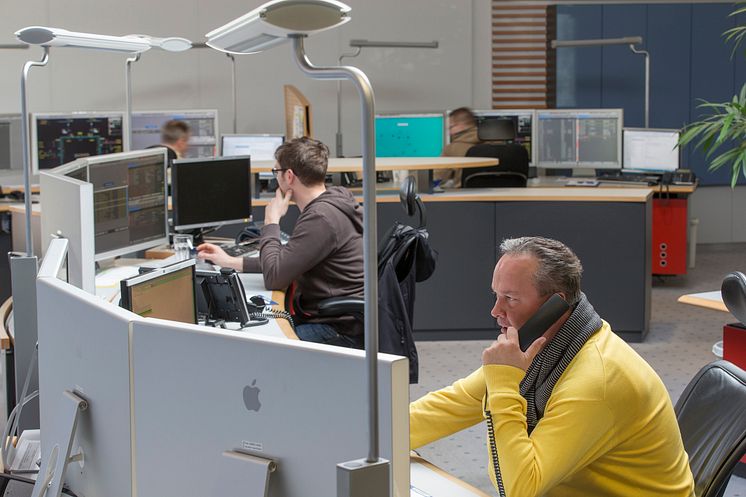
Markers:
point(493, 448)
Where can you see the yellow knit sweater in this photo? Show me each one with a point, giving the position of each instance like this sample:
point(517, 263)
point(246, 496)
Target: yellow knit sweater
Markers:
point(608, 429)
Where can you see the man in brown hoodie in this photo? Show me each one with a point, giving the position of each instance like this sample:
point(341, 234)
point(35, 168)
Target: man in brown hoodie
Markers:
point(324, 256)
point(462, 128)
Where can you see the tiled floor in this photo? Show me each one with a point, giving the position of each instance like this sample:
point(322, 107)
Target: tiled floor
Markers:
point(678, 345)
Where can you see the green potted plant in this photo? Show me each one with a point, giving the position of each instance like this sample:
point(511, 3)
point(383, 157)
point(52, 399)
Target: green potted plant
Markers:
point(722, 133)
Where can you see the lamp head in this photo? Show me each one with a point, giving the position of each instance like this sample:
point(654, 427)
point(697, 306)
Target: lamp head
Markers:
point(169, 44)
point(276, 21)
point(56, 37)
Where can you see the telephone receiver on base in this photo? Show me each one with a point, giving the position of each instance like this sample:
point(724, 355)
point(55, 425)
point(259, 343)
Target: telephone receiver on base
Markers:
point(542, 320)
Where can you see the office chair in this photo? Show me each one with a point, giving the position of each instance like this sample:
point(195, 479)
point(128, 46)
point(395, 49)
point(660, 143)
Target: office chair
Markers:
point(404, 259)
point(733, 291)
point(512, 171)
point(712, 418)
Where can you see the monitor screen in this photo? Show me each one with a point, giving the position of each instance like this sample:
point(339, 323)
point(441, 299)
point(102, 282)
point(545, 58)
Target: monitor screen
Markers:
point(210, 192)
point(651, 150)
point(490, 122)
point(129, 201)
point(573, 138)
point(258, 147)
point(11, 160)
point(164, 293)
point(61, 138)
point(146, 130)
point(409, 135)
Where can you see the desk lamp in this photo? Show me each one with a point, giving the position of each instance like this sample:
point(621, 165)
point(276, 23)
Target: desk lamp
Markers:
point(629, 40)
point(24, 268)
point(269, 25)
point(358, 45)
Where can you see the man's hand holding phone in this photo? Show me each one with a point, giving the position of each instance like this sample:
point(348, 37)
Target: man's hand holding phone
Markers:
point(506, 351)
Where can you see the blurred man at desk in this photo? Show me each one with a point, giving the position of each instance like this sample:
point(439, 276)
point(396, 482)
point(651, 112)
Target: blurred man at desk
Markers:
point(175, 136)
point(462, 128)
point(579, 413)
point(324, 256)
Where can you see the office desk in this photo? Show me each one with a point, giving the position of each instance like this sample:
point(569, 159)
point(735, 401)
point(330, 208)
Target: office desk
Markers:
point(609, 230)
point(670, 220)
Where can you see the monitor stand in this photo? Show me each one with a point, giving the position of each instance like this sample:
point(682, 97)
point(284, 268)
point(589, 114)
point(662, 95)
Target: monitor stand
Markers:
point(583, 172)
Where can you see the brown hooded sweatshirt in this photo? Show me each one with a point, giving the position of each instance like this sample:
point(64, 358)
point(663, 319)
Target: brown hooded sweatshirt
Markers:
point(324, 256)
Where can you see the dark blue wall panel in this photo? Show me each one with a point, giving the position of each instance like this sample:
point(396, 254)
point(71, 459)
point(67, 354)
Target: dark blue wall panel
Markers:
point(622, 71)
point(689, 61)
point(712, 76)
point(579, 69)
point(669, 44)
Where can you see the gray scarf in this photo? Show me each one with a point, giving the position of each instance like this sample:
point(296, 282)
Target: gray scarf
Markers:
point(548, 366)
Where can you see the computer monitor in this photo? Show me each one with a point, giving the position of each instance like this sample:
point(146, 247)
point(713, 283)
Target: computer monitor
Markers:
point(579, 138)
point(130, 201)
point(165, 293)
point(258, 146)
point(410, 135)
point(651, 150)
point(59, 138)
point(146, 129)
point(11, 150)
point(210, 192)
point(200, 392)
point(493, 125)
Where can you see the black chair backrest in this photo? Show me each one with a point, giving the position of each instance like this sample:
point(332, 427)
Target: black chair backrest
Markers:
point(511, 171)
point(733, 291)
point(712, 417)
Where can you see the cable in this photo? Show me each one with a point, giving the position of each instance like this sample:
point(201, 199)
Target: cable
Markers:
point(493, 448)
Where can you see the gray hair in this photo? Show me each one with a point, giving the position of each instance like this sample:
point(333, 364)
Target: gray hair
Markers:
point(559, 268)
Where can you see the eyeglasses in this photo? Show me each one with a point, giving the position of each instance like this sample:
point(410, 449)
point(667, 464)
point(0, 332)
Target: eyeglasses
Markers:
point(276, 170)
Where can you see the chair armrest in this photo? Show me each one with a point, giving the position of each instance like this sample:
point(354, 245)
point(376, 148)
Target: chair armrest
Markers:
point(338, 306)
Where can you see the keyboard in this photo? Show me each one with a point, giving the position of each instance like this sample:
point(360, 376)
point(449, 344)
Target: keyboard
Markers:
point(633, 178)
point(240, 250)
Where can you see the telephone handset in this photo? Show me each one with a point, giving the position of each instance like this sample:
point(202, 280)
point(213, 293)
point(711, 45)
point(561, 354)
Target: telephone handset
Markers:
point(542, 320)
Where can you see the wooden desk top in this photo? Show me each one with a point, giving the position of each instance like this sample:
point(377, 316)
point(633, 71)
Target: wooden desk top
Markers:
point(355, 164)
point(559, 181)
point(709, 300)
point(6, 189)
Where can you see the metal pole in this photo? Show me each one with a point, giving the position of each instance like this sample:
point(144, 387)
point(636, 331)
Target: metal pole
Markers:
point(339, 148)
point(128, 95)
point(647, 82)
point(233, 75)
point(27, 172)
point(370, 255)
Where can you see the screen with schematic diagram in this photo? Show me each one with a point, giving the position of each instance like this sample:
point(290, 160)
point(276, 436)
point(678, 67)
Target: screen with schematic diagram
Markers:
point(61, 138)
point(203, 127)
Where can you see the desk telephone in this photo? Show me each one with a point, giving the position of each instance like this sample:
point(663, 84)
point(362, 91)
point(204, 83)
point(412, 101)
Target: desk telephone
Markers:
point(222, 298)
point(535, 327)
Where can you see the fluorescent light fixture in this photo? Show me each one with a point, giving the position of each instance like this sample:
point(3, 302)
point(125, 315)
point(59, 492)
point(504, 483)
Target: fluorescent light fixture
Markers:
point(274, 22)
point(56, 37)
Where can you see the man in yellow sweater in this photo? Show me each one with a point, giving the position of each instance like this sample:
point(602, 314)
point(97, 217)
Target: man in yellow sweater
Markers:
point(579, 413)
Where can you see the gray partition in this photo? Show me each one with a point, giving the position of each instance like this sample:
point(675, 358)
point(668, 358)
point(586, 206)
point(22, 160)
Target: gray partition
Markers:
point(612, 239)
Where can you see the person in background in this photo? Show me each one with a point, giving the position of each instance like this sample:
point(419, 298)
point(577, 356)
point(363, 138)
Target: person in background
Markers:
point(462, 128)
point(324, 255)
point(175, 136)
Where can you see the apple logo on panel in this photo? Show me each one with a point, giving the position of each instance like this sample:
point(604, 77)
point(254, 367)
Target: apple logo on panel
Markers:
point(251, 397)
